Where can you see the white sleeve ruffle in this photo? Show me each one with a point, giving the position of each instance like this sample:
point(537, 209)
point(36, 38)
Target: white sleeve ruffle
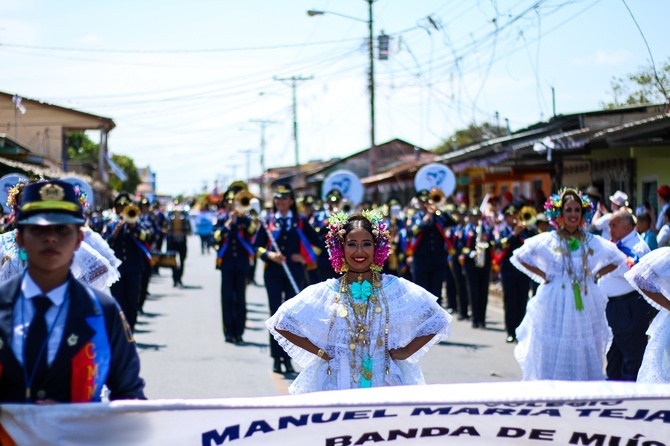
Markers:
point(414, 312)
point(652, 273)
point(92, 268)
point(538, 252)
point(95, 241)
point(307, 315)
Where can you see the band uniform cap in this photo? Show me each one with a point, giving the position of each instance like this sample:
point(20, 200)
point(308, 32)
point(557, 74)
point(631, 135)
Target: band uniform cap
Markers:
point(284, 190)
point(393, 201)
point(309, 199)
point(423, 195)
point(664, 191)
point(122, 198)
point(541, 217)
point(230, 195)
point(475, 211)
point(619, 198)
point(510, 209)
point(144, 202)
point(334, 195)
point(450, 207)
point(50, 203)
point(462, 209)
point(592, 191)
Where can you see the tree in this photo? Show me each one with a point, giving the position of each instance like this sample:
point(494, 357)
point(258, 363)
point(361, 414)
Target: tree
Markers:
point(133, 177)
point(471, 135)
point(641, 87)
point(82, 148)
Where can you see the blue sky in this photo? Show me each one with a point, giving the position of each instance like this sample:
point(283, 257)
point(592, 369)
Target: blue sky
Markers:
point(183, 80)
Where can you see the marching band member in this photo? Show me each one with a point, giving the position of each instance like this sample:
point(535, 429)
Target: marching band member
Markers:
point(127, 237)
point(515, 284)
point(457, 235)
point(68, 327)
point(178, 228)
point(430, 247)
point(233, 234)
point(294, 237)
point(475, 259)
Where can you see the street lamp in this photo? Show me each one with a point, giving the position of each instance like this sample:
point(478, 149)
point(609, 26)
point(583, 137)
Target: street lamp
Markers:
point(372, 160)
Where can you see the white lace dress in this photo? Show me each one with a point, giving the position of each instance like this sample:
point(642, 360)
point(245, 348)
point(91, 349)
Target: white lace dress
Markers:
point(557, 341)
point(652, 273)
point(92, 263)
point(412, 312)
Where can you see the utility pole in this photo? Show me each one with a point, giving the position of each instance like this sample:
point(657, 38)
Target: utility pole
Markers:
point(371, 80)
point(248, 153)
point(263, 123)
point(294, 80)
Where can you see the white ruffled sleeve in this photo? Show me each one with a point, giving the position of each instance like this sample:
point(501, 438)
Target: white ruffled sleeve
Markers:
point(307, 315)
point(536, 252)
point(95, 241)
point(413, 312)
point(652, 273)
point(92, 268)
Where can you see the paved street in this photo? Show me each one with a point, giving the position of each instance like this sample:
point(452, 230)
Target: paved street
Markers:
point(184, 355)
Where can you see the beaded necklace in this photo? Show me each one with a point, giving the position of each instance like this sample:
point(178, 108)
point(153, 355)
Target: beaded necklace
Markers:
point(361, 314)
point(578, 279)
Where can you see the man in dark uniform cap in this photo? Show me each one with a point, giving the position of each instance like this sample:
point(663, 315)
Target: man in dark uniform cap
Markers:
point(233, 234)
point(127, 237)
point(476, 261)
point(429, 246)
point(67, 327)
point(458, 236)
point(515, 284)
point(296, 240)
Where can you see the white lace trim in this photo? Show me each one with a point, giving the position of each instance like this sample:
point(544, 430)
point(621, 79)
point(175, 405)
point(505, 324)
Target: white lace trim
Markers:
point(652, 273)
point(88, 265)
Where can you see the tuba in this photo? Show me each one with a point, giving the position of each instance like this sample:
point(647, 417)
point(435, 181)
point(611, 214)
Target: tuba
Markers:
point(131, 214)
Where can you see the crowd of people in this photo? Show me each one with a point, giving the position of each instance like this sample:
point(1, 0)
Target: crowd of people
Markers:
point(356, 295)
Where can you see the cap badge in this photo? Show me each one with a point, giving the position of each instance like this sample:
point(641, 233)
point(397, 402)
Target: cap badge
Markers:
point(52, 192)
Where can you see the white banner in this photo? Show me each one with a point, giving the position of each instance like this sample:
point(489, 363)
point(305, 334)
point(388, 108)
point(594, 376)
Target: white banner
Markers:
point(518, 413)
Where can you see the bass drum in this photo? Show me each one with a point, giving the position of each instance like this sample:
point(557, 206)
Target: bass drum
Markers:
point(347, 183)
point(435, 176)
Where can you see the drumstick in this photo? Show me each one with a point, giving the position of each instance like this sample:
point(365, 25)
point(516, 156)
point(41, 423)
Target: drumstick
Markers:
point(283, 264)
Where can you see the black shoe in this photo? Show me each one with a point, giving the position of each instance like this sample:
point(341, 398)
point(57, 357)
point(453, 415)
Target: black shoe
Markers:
point(277, 366)
point(288, 366)
point(239, 340)
point(230, 339)
point(510, 339)
point(462, 317)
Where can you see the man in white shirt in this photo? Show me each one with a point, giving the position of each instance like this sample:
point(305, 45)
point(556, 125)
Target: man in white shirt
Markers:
point(602, 218)
point(628, 314)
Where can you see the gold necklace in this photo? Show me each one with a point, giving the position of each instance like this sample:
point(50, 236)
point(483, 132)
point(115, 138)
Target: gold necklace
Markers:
point(360, 322)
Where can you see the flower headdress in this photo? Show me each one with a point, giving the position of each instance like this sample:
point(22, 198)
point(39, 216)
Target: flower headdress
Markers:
point(82, 197)
point(553, 207)
point(13, 198)
point(336, 233)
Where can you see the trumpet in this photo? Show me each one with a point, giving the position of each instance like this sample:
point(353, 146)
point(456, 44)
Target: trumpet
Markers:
point(437, 197)
point(528, 215)
point(131, 214)
point(243, 200)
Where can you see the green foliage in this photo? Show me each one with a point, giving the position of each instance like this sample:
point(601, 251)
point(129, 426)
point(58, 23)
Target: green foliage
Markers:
point(82, 149)
point(471, 135)
point(128, 165)
point(641, 87)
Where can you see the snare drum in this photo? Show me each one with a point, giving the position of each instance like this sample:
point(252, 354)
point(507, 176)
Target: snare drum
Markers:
point(168, 259)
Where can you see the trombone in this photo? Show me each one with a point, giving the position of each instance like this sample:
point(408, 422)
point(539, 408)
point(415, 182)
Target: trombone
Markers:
point(528, 216)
